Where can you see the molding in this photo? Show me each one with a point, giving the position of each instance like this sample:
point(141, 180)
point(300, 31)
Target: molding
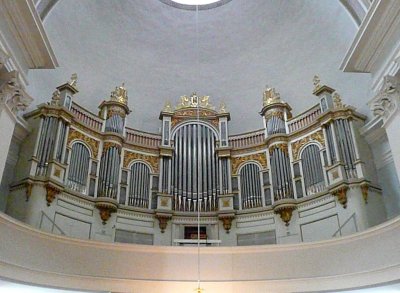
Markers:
point(377, 35)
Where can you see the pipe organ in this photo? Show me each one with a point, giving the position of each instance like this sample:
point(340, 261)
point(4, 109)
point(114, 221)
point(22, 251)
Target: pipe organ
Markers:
point(194, 164)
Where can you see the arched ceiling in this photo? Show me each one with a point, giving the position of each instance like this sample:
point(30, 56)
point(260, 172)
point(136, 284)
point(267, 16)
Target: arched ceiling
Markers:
point(242, 46)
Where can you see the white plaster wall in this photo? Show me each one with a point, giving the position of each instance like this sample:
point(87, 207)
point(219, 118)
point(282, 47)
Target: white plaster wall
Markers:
point(342, 263)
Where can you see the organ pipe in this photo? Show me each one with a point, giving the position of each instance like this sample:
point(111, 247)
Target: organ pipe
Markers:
point(78, 168)
point(194, 169)
point(139, 188)
point(109, 173)
point(312, 170)
point(281, 174)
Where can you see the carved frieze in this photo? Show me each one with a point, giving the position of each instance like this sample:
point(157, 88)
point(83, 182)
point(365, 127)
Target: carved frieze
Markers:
point(238, 161)
point(77, 135)
point(12, 93)
point(297, 145)
point(386, 102)
point(151, 160)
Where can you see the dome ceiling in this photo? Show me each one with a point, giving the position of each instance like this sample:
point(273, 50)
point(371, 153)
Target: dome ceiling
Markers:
point(242, 47)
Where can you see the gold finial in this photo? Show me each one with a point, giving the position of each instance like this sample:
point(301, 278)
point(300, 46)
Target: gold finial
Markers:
point(74, 80)
point(56, 98)
point(316, 82)
point(337, 100)
point(168, 107)
point(222, 108)
point(120, 94)
point(271, 96)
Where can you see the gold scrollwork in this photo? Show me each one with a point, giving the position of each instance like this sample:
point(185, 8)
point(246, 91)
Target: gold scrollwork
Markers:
point(282, 146)
point(115, 110)
point(298, 145)
point(238, 161)
point(109, 144)
point(76, 135)
point(277, 114)
point(151, 160)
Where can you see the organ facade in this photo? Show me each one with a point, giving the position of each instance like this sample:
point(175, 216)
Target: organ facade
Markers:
point(299, 178)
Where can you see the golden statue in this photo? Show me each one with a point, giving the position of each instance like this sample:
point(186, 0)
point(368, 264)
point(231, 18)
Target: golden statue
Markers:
point(337, 100)
point(168, 107)
point(74, 80)
point(120, 94)
point(194, 101)
point(316, 82)
point(222, 108)
point(271, 96)
point(56, 98)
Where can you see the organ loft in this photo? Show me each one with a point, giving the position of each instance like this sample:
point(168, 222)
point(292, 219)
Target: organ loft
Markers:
point(88, 175)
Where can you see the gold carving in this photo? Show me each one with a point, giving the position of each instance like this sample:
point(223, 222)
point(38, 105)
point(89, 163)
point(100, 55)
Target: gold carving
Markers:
point(341, 194)
point(164, 202)
point(115, 110)
point(222, 108)
point(28, 191)
point(109, 144)
point(56, 98)
point(51, 192)
point(151, 160)
point(298, 145)
point(277, 114)
point(285, 212)
point(120, 94)
point(74, 80)
point(77, 135)
point(194, 101)
point(282, 146)
point(238, 161)
point(226, 203)
point(227, 221)
point(337, 101)
point(105, 210)
point(57, 173)
point(364, 190)
point(316, 82)
point(270, 96)
point(163, 221)
point(168, 107)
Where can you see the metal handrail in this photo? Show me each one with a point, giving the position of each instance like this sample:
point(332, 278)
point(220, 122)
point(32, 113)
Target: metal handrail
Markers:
point(51, 221)
point(344, 224)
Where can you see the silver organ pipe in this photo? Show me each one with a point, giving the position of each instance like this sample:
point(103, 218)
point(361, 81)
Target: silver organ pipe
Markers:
point(331, 146)
point(346, 146)
point(46, 144)
point(275, 125)
point(61, 143)
point(109, 173)
point(139, 185)
point(115, 123)
point(194, 169)
point(281, 174)
point(250, 186)
point(78, 168)
point(312, 170)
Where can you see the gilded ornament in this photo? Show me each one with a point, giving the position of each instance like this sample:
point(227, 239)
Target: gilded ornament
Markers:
point(299, 144)
point(56, 98)
point(222, 108)
point(194, 101)
point(51, 192)
point(316, 82)
point(277, 114)
point(227, 221)
point(337, 100)
point(163, 221)
point(364, 190)
point(341, 194)
point(115, 110)
point(77, 135)
point(109, 144)
point(282, 146)
point(238, 161)
point(120, 94)
point(151, 160)
point(74, 80)
point(270, 96)
point(168, 107)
